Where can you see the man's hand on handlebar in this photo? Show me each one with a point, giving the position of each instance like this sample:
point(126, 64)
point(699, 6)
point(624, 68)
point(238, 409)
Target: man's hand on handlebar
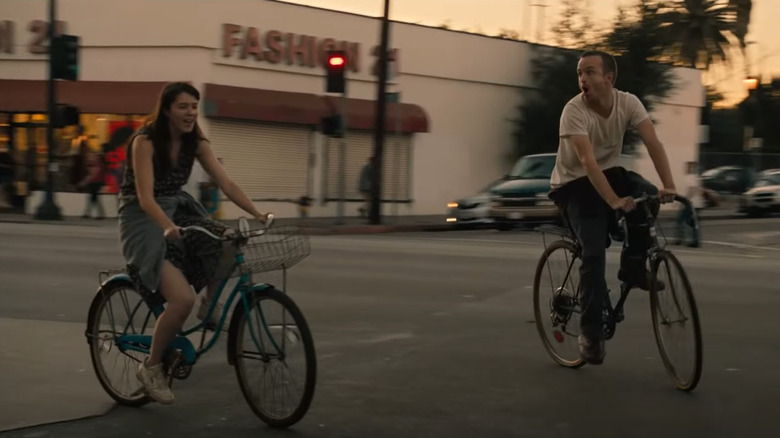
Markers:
point(626, 204)
point(262, 217)
point(667, 195)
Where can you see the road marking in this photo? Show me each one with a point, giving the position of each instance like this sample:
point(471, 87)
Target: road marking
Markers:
point(387, 338)
point(740, 245)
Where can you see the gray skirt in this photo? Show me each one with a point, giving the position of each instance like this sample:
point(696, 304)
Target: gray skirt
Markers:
point(145, 248)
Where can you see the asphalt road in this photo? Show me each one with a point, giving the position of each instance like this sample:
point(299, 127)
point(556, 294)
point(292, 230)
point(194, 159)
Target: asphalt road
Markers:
point(423, 335)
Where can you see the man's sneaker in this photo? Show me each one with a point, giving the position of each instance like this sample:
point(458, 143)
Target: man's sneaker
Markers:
point(591, 350)
point(156, 384)
point(203, 308)
point(640, 279)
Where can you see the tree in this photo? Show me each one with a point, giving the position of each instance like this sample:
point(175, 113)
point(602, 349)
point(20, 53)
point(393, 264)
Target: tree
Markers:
point(536, 128)
point(636, 41)
point(575, 24)
point(743, 8)
point(698, 30)
point(510, 34)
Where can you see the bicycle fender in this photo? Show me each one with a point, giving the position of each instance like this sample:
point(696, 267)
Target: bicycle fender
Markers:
point(115, 279)
point(238, 313)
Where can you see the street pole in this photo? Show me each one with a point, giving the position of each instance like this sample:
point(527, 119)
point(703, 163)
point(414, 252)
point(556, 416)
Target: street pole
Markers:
point(379, 126)
point(48, 210)
point(342, 159)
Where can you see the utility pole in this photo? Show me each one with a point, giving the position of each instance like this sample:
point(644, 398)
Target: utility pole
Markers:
point(48, 210)
point(379, 126)
point(540, 21)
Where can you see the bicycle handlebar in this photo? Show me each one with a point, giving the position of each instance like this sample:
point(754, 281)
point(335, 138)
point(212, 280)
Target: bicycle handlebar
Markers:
point(242, 234)
point(681, 199)
point(621, 215)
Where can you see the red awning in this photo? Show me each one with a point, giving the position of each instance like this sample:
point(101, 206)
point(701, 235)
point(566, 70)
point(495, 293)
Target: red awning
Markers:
point(264, 105)
point(93, 97)
point(361, 114)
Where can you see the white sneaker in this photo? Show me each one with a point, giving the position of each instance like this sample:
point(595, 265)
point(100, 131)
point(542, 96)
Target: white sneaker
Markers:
point(155, 383)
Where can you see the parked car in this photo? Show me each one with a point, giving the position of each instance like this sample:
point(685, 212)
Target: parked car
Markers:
point(764, 196)
point(473, 210)
point(524, 194)
point(727, 179)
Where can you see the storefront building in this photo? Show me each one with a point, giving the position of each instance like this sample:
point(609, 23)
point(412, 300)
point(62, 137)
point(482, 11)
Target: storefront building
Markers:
point(258, 65)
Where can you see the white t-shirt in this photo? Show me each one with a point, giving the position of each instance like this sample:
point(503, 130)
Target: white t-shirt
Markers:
point(606, 134)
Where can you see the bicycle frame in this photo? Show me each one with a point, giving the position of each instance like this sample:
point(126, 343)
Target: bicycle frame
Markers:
point(244, 287)
point(615, 314)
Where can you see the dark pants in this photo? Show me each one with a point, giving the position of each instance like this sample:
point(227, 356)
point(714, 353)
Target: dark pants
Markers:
point(592, 220)
point(684, 227)
point(93, 199)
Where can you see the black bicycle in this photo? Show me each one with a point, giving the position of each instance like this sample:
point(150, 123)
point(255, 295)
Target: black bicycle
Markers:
point(672, 307)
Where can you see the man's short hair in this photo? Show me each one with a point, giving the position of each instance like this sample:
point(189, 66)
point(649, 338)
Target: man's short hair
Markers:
point(607, 60)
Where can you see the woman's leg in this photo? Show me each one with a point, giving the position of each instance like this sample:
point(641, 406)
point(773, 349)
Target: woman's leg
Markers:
point(222, 269)
point(180, 299)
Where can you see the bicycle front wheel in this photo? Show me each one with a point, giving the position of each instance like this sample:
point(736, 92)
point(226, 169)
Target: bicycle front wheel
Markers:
point(676, 321)
point(273, 353)
point(557, 302)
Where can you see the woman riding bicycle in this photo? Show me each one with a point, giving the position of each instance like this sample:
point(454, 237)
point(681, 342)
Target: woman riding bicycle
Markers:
point(163, 263)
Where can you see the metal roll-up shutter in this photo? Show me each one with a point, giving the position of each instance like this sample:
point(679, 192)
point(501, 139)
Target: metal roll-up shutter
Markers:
point(267, 161)
point(360, 146)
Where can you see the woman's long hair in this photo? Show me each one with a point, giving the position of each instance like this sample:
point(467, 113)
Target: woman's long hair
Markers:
point(158, 128)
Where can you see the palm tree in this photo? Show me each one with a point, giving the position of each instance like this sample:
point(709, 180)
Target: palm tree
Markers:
point(699, 29)
point(743, 8)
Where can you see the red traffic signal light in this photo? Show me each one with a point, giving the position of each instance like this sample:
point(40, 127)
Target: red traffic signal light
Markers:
point(335, 71)
point(336, 61)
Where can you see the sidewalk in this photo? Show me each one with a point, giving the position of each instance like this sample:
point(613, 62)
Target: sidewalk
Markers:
point(314, 226)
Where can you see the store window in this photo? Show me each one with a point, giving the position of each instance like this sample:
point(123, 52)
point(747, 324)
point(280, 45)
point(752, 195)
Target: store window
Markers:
point(104, 135)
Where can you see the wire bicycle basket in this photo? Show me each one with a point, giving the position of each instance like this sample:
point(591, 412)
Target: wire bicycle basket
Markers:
point(280, 247)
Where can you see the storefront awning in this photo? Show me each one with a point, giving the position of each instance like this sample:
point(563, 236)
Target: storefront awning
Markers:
point(92, 97)
point(223, 101)
point(361, 114)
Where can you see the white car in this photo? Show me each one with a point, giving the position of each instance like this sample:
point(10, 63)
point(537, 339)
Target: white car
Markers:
point(472, 210)
point(763, 197)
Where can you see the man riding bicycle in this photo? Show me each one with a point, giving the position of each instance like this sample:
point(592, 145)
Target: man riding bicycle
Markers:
point(589, 187)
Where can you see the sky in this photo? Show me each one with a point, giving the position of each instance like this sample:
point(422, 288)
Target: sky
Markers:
point(490, 16)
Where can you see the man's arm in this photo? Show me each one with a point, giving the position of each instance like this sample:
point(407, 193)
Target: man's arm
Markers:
point(657, 153)
point(584, 151)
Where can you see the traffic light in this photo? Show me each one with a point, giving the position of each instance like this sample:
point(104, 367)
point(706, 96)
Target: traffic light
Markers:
point(335, 67)
point(66, 115)
point(65, 57)
point(331, 126)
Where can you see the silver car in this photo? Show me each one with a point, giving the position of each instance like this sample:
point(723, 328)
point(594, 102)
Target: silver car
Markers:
point(472, 210)
point(764, 196)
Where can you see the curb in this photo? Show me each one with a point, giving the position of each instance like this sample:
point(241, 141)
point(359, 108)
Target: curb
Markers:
point(337, 230)
point(309, 230)
point(375, 229)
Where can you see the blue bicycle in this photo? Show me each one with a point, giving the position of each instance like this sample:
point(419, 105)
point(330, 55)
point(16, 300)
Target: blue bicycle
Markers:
point(269, 341)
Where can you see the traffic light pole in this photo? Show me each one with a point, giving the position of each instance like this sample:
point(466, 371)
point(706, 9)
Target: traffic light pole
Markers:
point(379, 130)
point(342, 159)
point(48, 210)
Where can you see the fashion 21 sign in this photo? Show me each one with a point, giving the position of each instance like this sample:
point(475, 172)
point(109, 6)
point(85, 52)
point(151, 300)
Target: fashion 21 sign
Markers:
point(276, 47)
point(38, 38)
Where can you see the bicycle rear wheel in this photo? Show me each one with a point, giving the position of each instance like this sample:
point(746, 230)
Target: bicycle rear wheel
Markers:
point(118, 309)
point(268, 348)
point(674, 310)
point(556, 302)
